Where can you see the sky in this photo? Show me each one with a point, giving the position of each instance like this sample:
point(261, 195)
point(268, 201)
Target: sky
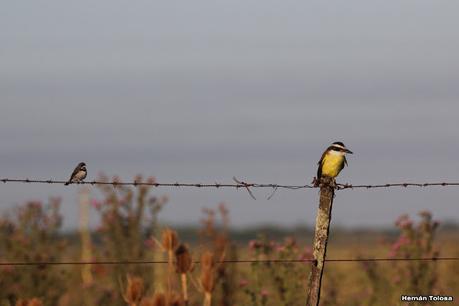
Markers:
point(201, 91)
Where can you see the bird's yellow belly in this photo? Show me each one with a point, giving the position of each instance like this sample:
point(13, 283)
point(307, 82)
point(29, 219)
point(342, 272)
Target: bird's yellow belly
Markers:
point(332, 165)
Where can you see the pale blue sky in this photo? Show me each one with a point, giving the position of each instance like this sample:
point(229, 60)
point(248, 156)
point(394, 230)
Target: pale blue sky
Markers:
point(206, 90)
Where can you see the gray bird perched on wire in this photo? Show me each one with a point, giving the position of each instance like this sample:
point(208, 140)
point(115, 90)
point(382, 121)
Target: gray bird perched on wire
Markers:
point(78, 175)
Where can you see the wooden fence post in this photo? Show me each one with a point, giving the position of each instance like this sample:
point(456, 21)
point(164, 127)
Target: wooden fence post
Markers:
point(323, 219)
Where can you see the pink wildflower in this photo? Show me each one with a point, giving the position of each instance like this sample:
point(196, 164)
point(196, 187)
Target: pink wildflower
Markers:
point(96, 204)
point(264, 292)
point(7, 268)
point(254, 244)
point(392, 254)
point(280, 248)
point(243, 283)
point(401, 241)
point(306, 255)
point(149, 243)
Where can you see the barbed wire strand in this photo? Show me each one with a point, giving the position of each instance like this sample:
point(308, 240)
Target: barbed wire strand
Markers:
point(238, 184)
point(148, 262)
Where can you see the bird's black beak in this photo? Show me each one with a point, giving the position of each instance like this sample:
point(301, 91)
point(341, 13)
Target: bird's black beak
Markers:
point(348, 151)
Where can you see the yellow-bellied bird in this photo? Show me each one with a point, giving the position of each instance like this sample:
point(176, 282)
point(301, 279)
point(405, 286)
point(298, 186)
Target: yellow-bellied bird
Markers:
point(332, 161)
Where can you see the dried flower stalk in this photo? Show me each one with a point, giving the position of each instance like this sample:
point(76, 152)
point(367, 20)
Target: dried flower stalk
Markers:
point(183, 264)
point(134, 290)
point(169, 242)
point(208, 276)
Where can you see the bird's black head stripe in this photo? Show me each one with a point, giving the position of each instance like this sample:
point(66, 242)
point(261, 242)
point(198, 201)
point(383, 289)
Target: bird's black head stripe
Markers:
point(336, 148)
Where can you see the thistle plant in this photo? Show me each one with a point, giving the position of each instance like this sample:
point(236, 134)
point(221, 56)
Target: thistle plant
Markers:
point(134, 291)
point(32, 234)
point(128, 220)
point(281, 277)
point(169, 243)
point(408, 277)
point(183, 265)
point(215, 237)
point(416, 242)
point(208, 277)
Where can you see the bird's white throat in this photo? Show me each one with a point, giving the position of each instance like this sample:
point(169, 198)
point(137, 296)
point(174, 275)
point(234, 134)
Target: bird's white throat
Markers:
point(333, 152)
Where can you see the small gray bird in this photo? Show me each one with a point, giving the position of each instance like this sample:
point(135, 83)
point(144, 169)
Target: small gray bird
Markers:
point(78, 175)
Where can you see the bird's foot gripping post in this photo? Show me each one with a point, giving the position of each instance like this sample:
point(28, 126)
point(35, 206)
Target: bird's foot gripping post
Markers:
point(327, 191)
point(325, 181)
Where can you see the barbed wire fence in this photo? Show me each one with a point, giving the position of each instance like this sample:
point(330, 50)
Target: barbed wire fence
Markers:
point(242, 261)
point(327, 191)
point(238, 184)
